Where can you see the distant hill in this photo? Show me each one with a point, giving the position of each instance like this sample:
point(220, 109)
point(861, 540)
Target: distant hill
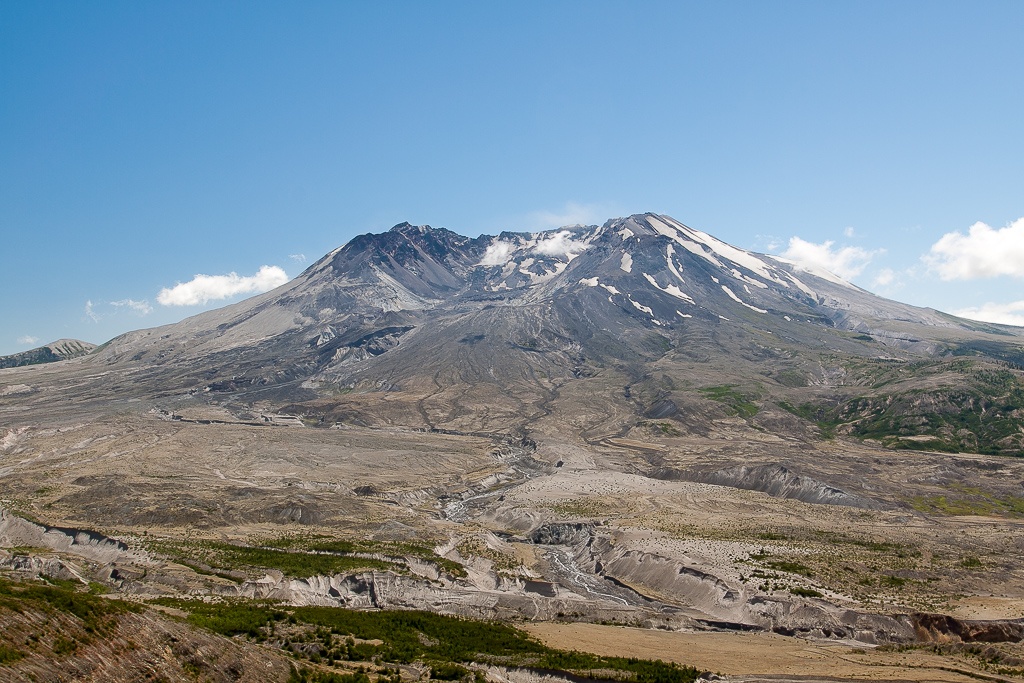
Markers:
point(62, 349)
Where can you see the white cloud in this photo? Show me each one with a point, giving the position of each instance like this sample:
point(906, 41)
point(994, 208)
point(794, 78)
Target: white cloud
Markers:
point(561, 244)
point(497, 254)
point(982, 253)
point(846, 262)
point(848, 231)
point(27, 339)
point(885, 277)
point(205, 288)
point(139, 307)
point(298, 258)
point(90, 313)
point(1007, 314)
point(571, 214)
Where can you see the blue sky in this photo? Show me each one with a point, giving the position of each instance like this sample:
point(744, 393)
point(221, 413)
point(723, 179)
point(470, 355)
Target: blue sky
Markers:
point(142, 144)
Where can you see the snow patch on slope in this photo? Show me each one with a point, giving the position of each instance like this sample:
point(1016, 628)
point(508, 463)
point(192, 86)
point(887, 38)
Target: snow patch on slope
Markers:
point(740, 301)
point(669, 253)
point(670, 289)
point(626, 263)
point(641, 307)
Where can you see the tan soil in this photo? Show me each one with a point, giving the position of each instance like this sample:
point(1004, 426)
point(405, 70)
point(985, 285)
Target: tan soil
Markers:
point(752, 654)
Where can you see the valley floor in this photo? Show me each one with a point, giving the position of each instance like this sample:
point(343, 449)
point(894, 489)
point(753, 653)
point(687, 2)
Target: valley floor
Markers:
point(759, 656)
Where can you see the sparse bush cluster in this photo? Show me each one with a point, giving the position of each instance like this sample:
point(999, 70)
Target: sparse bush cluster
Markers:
point(92, 616)
point(738, 402)
point(980, 409)
point(299, 556)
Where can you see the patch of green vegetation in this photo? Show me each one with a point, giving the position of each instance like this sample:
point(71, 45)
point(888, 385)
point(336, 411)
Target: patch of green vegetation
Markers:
point(976, 409)
point(885, 547)
point(216, 559)
point(9, 655)
point(1012, 354)
point(739, 403)
point(394, 551)
point(1009, 506)
point(307, 675)
point(969, 500)
point(97, 614)
point(802, 592)
point(791, 378)
point(812, 413)
point(66, 584)
point(666, 428)
point(299, 564)
point(580, 507)
point(790, 567)
point(503, 562)
point(28, 550)
point(656, 343)
point(64, 646)
point(445, 643)
point(970, 562)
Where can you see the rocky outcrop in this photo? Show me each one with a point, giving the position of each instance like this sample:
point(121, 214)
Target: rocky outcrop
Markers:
point(504, 598)
point(561, 534)
point(15, 531)
point(944, 628)
point(774, 479)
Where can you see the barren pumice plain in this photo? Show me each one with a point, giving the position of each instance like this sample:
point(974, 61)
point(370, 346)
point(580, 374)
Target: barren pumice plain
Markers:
point(707, 457)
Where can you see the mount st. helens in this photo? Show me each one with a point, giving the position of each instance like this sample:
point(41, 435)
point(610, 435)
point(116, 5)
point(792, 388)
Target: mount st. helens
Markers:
point(485, 334)
point(634, 422)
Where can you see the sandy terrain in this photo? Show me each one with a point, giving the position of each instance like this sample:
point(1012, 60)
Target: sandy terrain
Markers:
point(749, 655)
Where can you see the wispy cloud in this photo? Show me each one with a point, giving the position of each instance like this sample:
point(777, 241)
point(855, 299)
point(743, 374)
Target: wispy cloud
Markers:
point(884, 277)
point(847, 262)
point(202, 289)
point(139, 307)
point(27, 339)
point(984, 252)
point(1006, 314)
point(298, 258)
point(90, 313)
point(571, 214)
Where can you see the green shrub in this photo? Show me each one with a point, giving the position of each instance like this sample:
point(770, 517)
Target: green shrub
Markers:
point(447, 643)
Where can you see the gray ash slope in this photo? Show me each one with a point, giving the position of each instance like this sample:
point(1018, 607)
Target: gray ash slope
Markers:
point(486, 333)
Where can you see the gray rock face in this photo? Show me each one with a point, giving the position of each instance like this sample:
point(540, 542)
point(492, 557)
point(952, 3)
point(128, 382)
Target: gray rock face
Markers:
point(15, 531)
point(775, 480)
point(561, 534)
